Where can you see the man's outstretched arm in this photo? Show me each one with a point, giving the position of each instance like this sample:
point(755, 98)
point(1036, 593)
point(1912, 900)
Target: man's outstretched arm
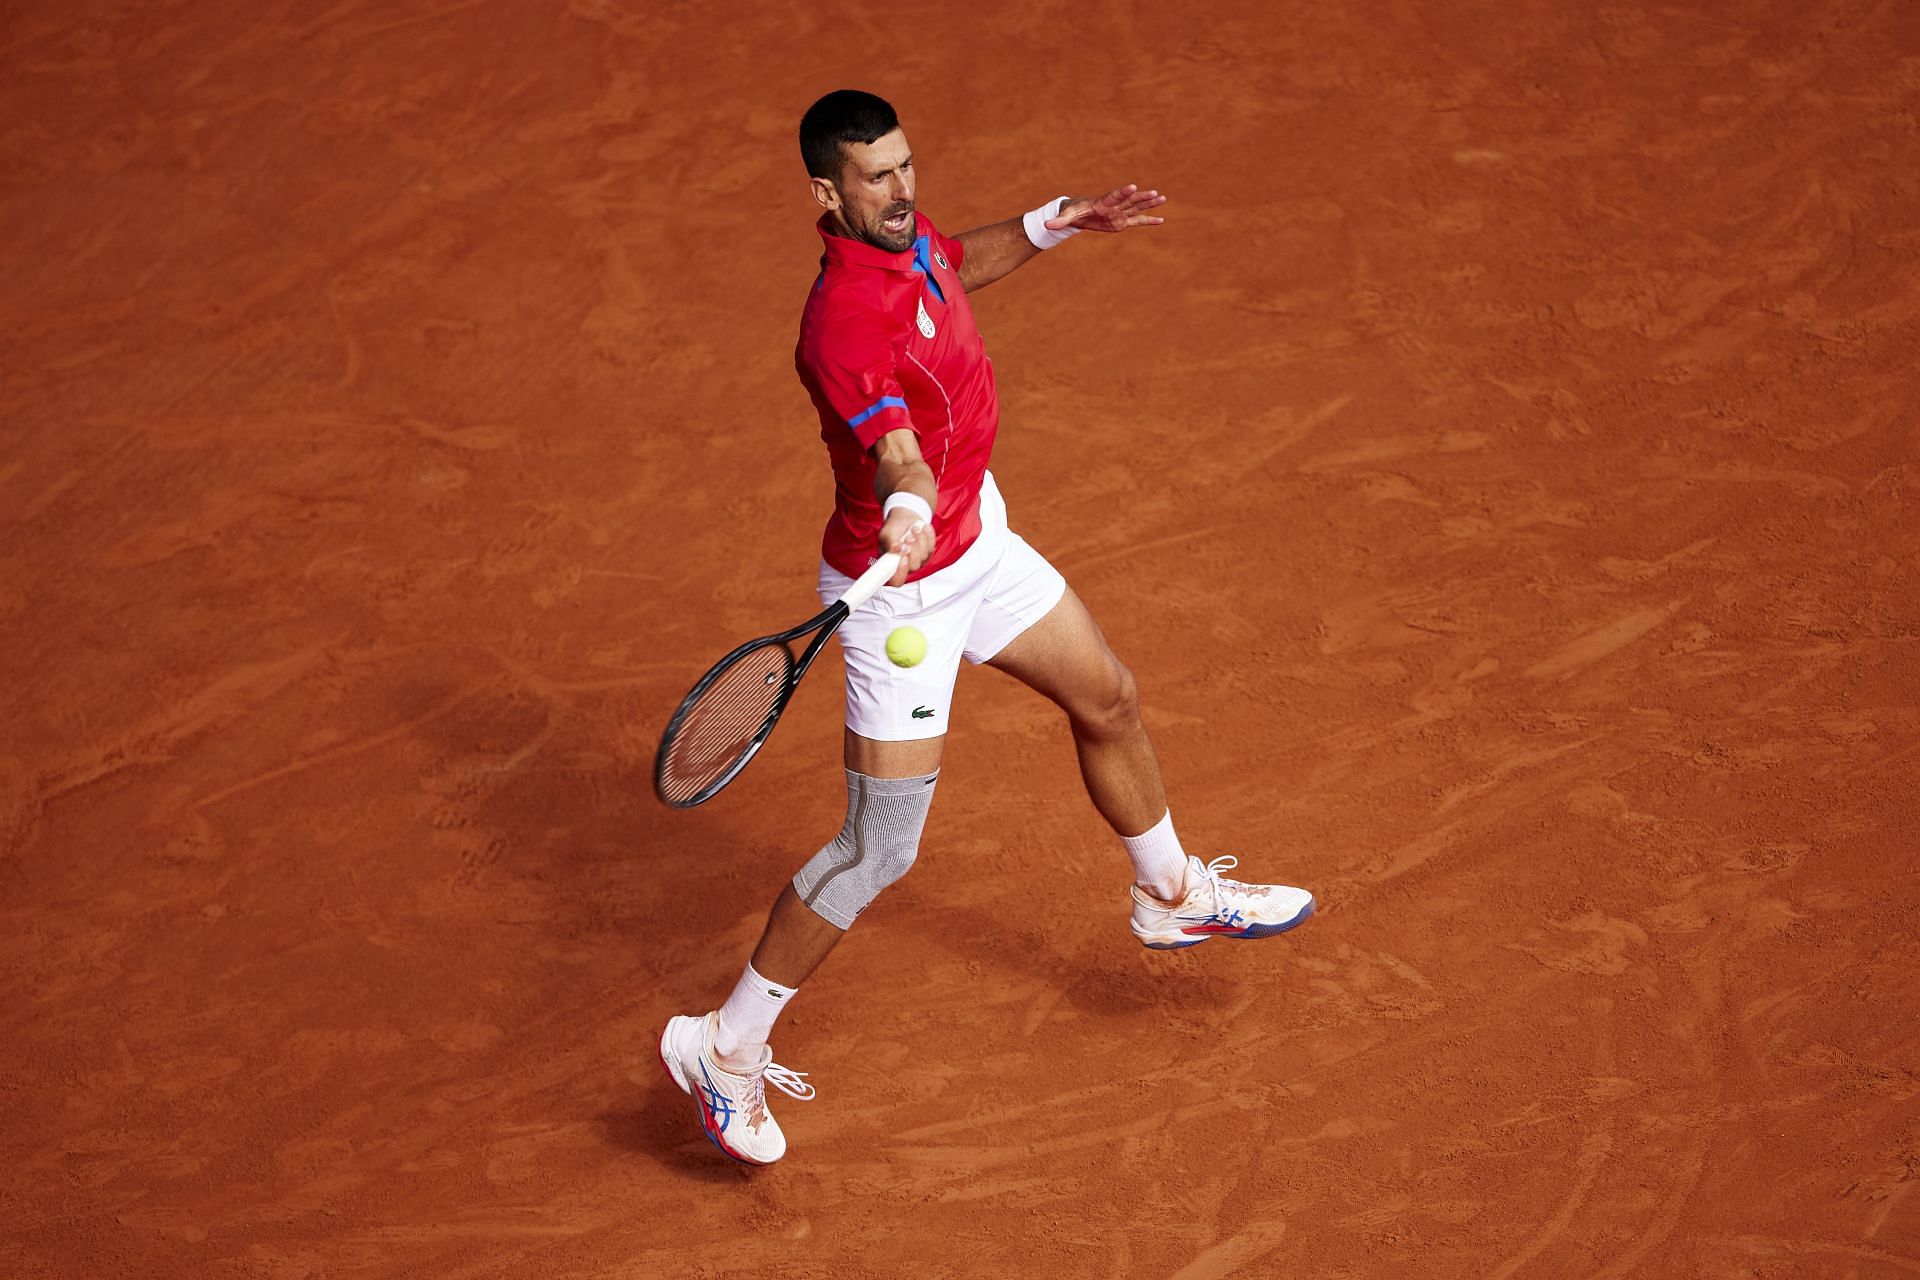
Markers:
point(997, 248)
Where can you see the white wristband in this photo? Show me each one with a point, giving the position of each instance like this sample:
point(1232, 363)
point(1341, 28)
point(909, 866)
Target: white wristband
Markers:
point(911, 501)
point(1036, 225)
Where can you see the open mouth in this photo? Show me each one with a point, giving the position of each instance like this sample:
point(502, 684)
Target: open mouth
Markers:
point(898, 222)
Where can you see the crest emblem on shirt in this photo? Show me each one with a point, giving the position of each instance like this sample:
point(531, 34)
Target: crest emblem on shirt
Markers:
point(941, 258)
point(925, 320)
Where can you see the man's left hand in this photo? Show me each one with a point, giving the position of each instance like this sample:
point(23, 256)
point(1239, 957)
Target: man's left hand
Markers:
point(1117, 210)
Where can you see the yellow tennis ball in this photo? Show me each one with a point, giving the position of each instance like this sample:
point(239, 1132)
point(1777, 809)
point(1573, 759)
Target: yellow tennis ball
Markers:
point(906, 646)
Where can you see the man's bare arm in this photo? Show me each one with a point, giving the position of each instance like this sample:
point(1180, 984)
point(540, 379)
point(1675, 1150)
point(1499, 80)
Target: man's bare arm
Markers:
point(899, 468)
point(992, 251)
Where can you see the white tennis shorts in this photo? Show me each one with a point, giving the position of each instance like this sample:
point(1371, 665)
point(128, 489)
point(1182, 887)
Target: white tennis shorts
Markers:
point(971, 609)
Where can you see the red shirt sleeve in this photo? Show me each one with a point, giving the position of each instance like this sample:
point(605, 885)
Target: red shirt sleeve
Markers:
point(851, 370)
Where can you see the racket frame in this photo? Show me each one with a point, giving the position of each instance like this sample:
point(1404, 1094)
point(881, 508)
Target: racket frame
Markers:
point(826, 622)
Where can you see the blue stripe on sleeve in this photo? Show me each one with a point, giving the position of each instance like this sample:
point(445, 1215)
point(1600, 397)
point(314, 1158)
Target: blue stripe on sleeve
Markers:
point(884, 402)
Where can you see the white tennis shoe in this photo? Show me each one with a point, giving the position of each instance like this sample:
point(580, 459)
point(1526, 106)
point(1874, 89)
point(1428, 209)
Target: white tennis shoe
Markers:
point(733, 1104)
point(1216, 907)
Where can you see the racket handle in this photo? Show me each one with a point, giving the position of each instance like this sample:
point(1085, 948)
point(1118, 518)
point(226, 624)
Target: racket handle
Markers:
point(872, 580)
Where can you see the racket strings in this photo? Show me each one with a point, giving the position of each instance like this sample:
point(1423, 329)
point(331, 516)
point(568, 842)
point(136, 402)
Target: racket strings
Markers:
point(723, 722)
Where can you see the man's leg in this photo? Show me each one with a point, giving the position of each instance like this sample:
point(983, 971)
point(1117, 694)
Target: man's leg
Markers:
point(722, 1059)
point(1065, 657)
point(1178, 902)
point(889, 786)
point(798, 938)
point(895, 721)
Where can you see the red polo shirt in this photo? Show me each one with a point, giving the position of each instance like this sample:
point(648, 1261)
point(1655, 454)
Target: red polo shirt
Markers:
point(887, 341)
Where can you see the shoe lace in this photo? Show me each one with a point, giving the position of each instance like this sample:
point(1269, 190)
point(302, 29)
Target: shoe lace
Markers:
point(1225, 862)
point(1225, 890)
point(792, 1083)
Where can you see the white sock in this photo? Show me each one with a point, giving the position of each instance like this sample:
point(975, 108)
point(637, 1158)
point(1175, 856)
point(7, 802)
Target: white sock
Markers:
point(746, 1019)
point(1159, 863)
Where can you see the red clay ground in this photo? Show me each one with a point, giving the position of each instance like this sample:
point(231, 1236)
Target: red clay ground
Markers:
point(1501, 473)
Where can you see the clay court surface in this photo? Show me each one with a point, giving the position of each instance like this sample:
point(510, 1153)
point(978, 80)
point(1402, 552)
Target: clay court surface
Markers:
point(1500, 473)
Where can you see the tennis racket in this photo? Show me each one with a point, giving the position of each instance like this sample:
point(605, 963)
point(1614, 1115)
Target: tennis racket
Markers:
point(733, 708)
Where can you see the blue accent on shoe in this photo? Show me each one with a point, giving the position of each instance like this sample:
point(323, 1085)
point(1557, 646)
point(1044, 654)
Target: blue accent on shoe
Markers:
point(714, 1138)
point(699, 1107)
point(718, 1105)
point(1268, 930)
point(724, 1112)
point(720, 1109)
point(1247, 934)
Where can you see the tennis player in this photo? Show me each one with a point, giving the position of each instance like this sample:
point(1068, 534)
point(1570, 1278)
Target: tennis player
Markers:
point(896, 368)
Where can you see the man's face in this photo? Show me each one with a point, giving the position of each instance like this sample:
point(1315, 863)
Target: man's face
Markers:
point(873, 200)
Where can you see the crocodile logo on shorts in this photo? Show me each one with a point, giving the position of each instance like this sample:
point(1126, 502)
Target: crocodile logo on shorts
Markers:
point(923, 713)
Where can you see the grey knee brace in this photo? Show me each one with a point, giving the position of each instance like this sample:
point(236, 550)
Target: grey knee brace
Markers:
point(873, 849)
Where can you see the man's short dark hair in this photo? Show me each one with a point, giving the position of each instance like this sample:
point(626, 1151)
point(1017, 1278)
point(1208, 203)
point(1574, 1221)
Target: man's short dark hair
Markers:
point(843, 116)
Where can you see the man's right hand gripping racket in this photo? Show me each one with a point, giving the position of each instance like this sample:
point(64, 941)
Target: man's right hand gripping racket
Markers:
point(733, 708)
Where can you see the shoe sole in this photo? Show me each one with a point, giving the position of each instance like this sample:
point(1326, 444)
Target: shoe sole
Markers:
point(670, 1061)
point(1243, 935)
